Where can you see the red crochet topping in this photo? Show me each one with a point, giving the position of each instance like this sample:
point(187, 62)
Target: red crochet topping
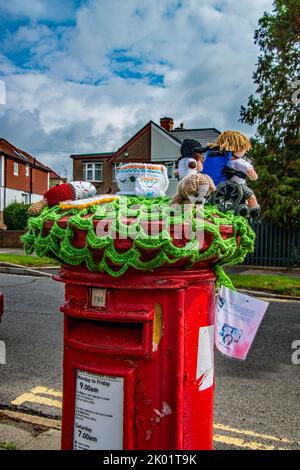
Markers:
point(60, 193)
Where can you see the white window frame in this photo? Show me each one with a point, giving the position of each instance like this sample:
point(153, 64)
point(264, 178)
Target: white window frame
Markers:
point(27, 170)
point(116, 167)
point(90, 168)
point(25, 197)
point(16, 169)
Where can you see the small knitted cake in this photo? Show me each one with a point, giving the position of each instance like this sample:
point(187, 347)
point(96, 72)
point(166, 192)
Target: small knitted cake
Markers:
point(142, 179)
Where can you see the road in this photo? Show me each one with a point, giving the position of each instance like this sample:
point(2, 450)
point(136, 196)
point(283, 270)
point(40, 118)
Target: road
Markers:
point(257, 402)
point(32, 330)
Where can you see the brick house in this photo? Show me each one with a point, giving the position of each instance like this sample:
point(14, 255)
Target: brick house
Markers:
point(22, 177)
point(55, 178)
point(152, 143)
point(94, 167)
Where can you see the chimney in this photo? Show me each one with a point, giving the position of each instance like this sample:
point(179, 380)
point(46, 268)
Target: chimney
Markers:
point(167, 123)
point(181, 127)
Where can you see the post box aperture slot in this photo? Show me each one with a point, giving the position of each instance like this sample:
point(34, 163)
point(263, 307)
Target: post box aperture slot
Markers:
point(107, 337)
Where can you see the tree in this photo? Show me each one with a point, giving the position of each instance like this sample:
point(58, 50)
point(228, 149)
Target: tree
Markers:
point(16, 215)
point(275, 109)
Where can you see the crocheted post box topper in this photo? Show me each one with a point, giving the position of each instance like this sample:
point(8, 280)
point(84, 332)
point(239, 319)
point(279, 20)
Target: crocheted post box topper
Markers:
point(232, 193)
point(142, 179)
point(63, 192)
point(191, 159)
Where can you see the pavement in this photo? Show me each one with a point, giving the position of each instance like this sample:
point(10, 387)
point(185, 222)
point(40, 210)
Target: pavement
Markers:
point(263, 270)
point(13, 251)
point(24, 432)
point(11, 268)
point(257, 402)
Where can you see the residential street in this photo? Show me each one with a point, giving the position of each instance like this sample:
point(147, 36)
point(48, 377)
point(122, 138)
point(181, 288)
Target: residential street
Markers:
point(257, 401)
point(32, 329)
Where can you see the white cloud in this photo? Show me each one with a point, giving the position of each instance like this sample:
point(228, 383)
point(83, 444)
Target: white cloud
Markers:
point(29, 36)
point(75, 102)
point(54, 10)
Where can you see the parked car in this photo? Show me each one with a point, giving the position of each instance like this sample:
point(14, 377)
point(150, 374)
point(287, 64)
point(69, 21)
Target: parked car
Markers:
point(1, 305)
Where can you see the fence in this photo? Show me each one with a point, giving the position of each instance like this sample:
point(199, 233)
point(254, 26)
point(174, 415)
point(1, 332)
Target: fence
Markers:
point(11, 238)
point(275, 246)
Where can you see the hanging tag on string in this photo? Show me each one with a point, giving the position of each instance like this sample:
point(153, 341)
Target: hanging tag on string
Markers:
point(238, 317)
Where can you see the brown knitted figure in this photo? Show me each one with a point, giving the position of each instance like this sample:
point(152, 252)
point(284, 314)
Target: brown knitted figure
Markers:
point(194, 188)
point(36, 208)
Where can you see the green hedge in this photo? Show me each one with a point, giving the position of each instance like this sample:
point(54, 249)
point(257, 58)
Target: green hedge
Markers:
point(16, 215)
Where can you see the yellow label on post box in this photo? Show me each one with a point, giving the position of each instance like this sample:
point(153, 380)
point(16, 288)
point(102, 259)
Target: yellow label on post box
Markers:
point(98, 297)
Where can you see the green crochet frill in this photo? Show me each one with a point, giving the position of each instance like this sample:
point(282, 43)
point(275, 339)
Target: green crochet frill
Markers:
point(57, 242)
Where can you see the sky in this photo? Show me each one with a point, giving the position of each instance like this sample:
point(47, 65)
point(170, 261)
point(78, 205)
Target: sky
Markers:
point(85, 75)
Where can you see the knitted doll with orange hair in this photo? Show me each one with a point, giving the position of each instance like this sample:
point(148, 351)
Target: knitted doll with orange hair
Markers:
point(238, 169)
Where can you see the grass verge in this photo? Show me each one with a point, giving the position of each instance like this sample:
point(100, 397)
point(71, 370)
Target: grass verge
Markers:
point(26, 260)
point(8, 446)
point(277, 284)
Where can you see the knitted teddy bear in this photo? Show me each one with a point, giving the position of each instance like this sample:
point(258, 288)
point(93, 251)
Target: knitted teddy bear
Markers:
point(191, 159)
point(194, 188)
point(63, 192)
point(142, 179)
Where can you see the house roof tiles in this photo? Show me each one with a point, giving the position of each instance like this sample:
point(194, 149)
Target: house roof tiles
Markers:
point(204, 136)
point(11, 150)
point(92, 155)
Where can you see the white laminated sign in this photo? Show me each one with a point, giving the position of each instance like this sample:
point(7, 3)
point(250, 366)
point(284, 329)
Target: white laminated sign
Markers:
point(98, 423)
point(205, 359)
point(238, 318)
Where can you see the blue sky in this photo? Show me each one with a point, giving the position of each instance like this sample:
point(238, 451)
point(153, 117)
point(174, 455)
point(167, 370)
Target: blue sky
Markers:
point(84, 75)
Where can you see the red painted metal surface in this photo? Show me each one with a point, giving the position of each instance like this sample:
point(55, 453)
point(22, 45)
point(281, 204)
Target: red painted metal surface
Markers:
point(148, 334)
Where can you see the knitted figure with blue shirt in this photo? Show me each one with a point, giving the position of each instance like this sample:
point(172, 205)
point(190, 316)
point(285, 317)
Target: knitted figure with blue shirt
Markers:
point(233, 145)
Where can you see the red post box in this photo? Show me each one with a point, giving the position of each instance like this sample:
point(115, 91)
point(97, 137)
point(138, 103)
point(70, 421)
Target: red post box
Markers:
point(138, 359)
point(139, 318)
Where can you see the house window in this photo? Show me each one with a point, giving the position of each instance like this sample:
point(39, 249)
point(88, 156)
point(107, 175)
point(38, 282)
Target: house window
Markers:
point(92, 172)
point(27, 170)
point(25, 197)
point(116, 167)
point(170, 169)
point(16, 169)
